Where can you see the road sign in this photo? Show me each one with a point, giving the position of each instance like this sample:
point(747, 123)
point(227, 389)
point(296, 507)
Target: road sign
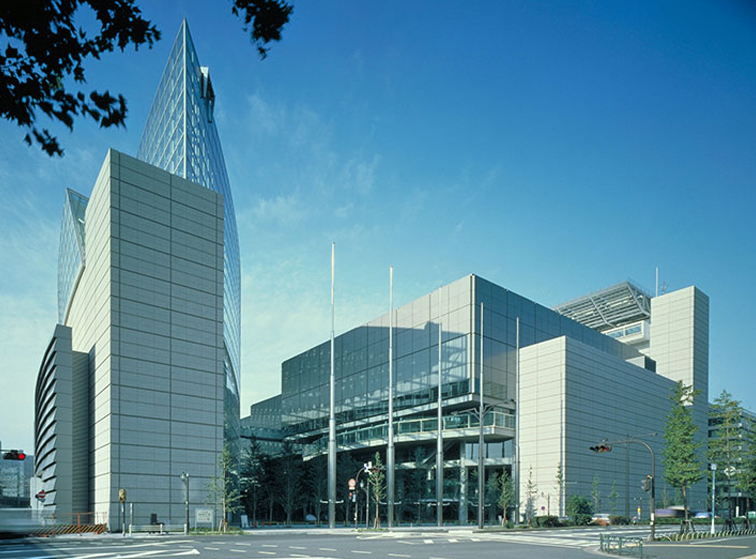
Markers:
point(41, 495)
point(352, 484)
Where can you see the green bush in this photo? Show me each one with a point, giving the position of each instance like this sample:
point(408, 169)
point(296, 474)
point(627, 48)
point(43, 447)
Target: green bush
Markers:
point(547, 521)
point(619, 520)
point(579, 509)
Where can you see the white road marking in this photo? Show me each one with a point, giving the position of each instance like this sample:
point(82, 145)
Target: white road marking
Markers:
point(296, 547)
point(398, 555)
point(362, 552)
point(267, 552)
point(327, 549)
point(213, 548)
point(269, 545)
point(427, 541)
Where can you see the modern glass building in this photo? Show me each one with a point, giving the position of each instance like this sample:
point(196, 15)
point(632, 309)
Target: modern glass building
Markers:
point(180, 137)
point(576, 386)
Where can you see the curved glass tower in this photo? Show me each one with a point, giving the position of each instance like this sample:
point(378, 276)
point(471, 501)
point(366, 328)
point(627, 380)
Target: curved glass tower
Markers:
point(180, 136)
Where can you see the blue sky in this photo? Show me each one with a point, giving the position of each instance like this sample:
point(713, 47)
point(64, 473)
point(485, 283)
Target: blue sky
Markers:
point(554, 148)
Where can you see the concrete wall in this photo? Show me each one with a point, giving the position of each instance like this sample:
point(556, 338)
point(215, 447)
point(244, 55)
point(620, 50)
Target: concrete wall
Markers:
point(573, 396)
point(149, 312)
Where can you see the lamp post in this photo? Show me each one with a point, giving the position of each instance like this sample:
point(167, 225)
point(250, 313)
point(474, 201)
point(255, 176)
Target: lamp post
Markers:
point(713, 494)
point(185, 479)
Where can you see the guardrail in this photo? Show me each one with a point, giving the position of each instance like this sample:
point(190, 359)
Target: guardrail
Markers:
point(621, 545)
point(159, 528)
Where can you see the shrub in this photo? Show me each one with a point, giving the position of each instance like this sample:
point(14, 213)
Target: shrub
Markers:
point(579, 510)
point(618, 520)
point(547, 521)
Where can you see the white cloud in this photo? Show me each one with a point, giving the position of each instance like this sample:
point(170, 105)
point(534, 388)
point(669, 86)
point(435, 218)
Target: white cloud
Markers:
point(285, 210)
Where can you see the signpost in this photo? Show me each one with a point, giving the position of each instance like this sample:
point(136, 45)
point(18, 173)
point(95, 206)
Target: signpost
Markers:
point(40, 496)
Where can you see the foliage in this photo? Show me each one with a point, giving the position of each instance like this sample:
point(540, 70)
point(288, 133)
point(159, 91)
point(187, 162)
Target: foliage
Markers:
point(727, 448)
point(682, 466)
point(251, 477)
point(290, 480)
point(506, 494)
point(579, 510)
point(560, 485)
point(416, 484)
point(46, 46)
point(613, 497)
point(317, 483)
point(550, 521)
point(531, 490)
point(377, 483)
point(666, 499)
point(222, 490)
point(618, 520)
point(596, 493)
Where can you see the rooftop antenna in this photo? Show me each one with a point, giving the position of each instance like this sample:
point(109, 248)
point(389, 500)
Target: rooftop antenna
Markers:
point(657, 282)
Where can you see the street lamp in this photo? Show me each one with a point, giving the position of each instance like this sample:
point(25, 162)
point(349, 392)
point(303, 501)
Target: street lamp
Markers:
point(185, 479)
point(713, 494)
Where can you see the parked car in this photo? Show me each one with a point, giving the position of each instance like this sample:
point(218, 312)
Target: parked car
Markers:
point(601, 519)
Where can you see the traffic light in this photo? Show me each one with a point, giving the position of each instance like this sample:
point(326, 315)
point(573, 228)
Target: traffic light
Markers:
point(14, 455)
point(646, 483)
point(601, 448)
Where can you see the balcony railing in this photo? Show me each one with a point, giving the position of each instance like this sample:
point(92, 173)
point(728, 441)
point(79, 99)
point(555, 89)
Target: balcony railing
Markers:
point(457, 422)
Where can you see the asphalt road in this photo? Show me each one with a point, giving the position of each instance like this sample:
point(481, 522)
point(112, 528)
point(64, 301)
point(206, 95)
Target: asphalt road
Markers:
point(455, 544)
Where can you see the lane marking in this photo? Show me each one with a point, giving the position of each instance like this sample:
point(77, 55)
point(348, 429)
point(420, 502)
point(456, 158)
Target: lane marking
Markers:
point(398, 555)
point(296, 547)
point(267, 552)
point(362, 552)
point(269, 545)
point(682, 544)
point(327, 549)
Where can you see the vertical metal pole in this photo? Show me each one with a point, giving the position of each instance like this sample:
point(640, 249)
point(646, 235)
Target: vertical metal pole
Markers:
point(713, 494)
point(481, 443)
point(653, 494)
point(390, 448)
point(331, 415)
point(186, 528)
point(627, 479)
point(517, 423)
point(439, 442)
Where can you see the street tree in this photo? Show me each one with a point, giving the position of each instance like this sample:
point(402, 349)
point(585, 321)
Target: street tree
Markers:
point(506, 495)
point(44, 47)
point(377, 484)
point(560, 487)
point(317, 481)
point(682, 465)
point(531, 491)
point(251, 478)
point(290, 480)
point(596, 494)
point(222, 490)
point(613, 498)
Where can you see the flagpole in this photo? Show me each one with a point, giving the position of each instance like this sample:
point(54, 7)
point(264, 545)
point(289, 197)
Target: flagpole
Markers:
point(439, 438)
point(331, 415)
point(390, 447)
point(481, 441)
